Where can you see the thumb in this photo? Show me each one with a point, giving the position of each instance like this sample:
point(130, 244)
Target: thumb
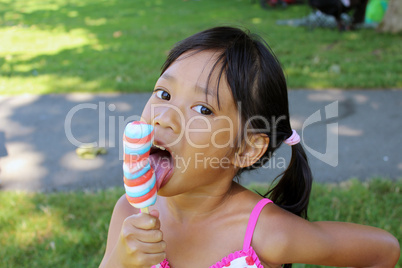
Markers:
point(154, 213)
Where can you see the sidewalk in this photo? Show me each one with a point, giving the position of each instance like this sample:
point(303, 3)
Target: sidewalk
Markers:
point(37, 154)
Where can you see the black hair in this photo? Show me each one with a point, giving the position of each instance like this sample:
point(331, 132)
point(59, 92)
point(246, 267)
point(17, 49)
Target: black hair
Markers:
point(256, 80)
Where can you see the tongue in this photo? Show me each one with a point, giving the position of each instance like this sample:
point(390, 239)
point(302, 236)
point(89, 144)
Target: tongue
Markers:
point(161, 161)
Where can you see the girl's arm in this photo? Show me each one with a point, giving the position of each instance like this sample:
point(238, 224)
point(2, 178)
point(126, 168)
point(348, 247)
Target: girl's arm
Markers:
point(328, 243)
point(348, 244)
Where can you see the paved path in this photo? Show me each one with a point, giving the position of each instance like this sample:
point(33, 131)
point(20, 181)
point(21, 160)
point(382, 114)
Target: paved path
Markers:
point(357, 136)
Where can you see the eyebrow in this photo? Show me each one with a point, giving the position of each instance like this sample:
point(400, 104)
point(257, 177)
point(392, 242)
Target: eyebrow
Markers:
point(198, 88)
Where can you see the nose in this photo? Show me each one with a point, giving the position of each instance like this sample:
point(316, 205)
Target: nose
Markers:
point(168, 116)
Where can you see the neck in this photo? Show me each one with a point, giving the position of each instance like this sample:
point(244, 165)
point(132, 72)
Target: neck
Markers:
point(200, 203)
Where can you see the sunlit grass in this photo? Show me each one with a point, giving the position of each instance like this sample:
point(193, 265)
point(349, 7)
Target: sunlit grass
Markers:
point(65, 229)
point(69, 229)
point(120, 45)
point(47, 83)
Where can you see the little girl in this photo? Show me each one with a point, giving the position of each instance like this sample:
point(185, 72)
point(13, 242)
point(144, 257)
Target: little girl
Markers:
point(220, 107)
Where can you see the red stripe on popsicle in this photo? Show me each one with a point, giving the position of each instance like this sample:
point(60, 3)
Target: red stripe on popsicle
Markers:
point(139, 181)
point(142, 140)
point(137, 200)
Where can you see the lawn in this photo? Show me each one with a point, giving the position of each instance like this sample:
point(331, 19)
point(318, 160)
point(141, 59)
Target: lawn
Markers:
point(69, 229)
point(58, 46)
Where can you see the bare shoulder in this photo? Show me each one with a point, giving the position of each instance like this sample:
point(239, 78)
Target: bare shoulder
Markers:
point(123, 208)
point(273, 232)
point(281, 237)
point(121, 211)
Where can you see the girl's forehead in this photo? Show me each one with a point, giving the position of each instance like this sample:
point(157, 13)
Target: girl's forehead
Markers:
point(204, 61)
point(200, 68)
point(201, 71)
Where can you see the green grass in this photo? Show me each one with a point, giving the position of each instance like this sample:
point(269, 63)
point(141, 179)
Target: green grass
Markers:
point(69, 229)
point(57, 46)
point(49, 230)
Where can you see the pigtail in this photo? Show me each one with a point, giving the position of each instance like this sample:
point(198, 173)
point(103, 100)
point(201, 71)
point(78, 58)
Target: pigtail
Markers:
point(292, 192)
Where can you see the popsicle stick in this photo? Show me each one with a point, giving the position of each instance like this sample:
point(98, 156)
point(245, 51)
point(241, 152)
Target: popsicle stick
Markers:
point(145, 210)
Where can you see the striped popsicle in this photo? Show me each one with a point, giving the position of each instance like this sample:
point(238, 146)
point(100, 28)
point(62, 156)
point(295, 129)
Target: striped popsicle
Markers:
point(139, 176)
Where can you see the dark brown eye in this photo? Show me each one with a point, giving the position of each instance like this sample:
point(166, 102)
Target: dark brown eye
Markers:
point(202, 110)
point(163, 95)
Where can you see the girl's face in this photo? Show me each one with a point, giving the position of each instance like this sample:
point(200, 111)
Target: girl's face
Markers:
point(197, 134)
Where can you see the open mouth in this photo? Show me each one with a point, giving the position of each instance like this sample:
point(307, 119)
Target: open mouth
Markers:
point(162, 162)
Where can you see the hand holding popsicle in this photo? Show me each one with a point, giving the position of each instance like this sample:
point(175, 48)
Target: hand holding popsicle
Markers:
point(139, 176)
point(140, 243)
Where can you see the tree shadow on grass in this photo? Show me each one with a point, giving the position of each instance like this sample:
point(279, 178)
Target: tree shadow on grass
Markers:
point(96, 43)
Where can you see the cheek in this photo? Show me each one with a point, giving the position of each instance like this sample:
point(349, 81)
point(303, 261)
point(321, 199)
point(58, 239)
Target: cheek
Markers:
point(198, 132)
point(223, 138)
point(224, 134)
point(213, 138)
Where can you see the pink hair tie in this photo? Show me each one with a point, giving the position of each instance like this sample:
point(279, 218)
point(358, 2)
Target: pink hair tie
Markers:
point(293, 139)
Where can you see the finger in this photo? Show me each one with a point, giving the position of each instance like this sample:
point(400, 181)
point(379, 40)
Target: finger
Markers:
point(150, 248)
point(153, 218)
point(148, 236)
point(157, 257)
point(152, 258)
point(154, 213)
point(142, 221)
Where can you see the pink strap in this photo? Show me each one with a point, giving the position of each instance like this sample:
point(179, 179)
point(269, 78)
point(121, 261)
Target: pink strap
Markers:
point(252, 222)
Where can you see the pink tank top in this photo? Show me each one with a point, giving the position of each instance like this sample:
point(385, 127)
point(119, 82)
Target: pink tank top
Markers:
point(245, 258)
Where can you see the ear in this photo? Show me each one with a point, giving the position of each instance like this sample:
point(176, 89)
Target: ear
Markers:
point(255, 147)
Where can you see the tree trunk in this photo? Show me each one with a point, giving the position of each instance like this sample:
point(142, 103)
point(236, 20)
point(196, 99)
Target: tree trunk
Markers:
point(392, 21)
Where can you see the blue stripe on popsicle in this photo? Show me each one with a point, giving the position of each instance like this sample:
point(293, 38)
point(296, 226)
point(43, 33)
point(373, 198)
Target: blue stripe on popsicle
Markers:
point(137, 151)
point(141, 172)
point(143, 192)
point(138, 131)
